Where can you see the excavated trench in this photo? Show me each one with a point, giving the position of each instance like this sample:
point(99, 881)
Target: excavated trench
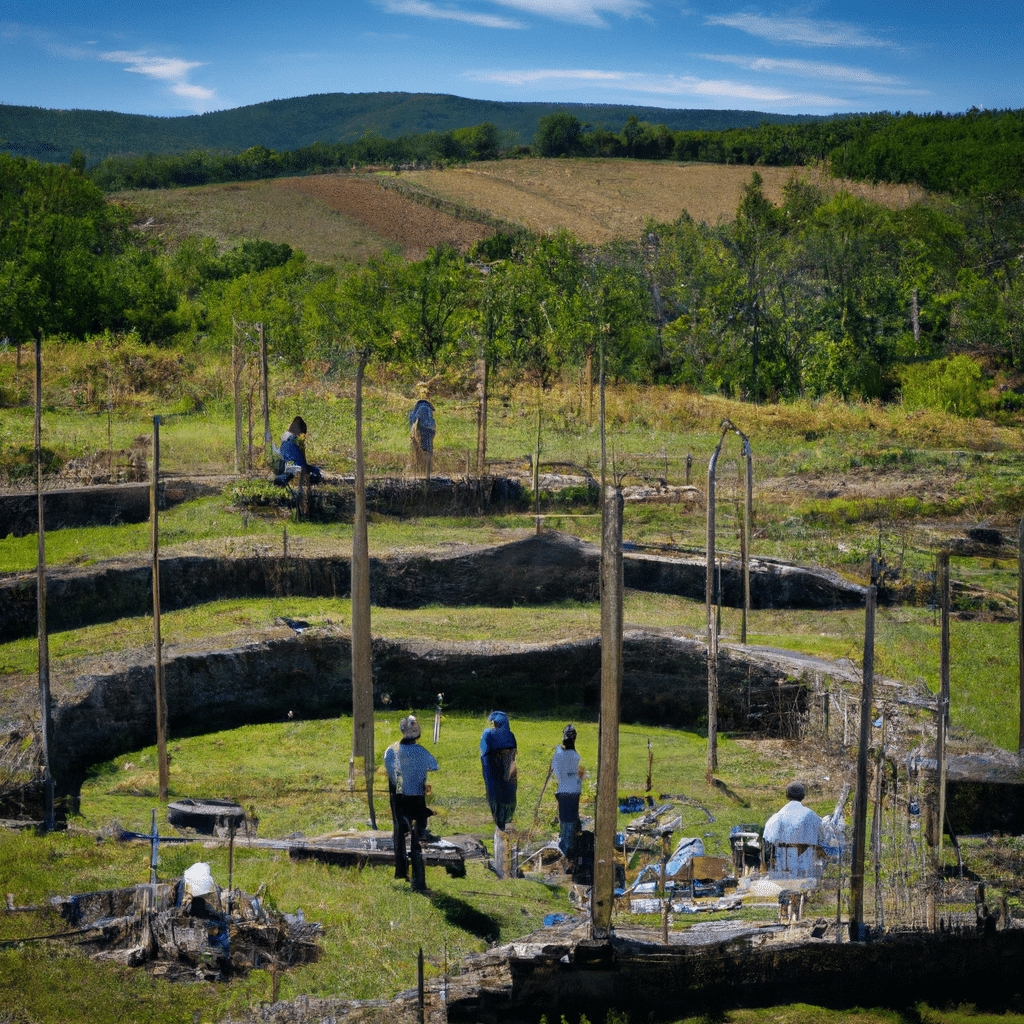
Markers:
point(308, 673)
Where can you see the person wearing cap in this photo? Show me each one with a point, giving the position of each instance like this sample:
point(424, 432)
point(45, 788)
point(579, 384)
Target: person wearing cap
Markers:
point(568, 773)
point(407, 764)
point(501, 778)
point(293, 454)
point(797, 835)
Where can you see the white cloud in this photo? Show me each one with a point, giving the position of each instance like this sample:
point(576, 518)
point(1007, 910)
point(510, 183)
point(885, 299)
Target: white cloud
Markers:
point(425, 9)
point(665, 85)
point(168, 68)
point(582, 12)
point(541, 75)
point(802, 31)
point(579, 12)
point(806, 69)
point(165, 69)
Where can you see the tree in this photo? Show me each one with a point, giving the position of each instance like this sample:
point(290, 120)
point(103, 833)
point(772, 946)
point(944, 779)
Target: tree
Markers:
point(559, 135)
point(433, 297)
point(57, 233)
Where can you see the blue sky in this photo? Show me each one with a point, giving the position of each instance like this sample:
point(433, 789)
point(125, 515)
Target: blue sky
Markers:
point(184, 58)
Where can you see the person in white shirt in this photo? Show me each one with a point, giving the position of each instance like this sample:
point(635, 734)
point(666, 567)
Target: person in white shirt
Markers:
point(568, 773)
point(407, 764)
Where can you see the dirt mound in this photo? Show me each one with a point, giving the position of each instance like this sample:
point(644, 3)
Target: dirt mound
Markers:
point(414, 226)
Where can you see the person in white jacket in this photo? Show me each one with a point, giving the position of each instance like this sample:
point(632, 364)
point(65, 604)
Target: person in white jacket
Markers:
point(568, 773)
point(797, 836)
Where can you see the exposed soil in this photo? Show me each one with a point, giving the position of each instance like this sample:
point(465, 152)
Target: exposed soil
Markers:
point(415, 227)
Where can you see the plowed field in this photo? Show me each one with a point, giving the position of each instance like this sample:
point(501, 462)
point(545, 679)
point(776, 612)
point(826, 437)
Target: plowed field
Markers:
point(413, 226)
point(337, 218)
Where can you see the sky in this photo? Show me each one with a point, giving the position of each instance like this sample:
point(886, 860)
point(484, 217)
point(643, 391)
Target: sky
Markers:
point(172, 59)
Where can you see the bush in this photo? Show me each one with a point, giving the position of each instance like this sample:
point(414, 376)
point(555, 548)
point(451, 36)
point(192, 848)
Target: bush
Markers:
point(953, 385)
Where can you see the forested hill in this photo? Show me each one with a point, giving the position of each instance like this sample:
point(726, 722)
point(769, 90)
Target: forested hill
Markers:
point(53, 135)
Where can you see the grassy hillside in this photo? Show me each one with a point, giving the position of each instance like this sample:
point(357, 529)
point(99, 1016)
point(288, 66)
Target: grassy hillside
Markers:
point(53, 135)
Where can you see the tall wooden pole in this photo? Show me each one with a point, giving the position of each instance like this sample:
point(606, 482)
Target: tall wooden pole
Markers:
point(45, 717)
point(942, 571)
point(158, 660)
point(748, 515)
point(942, 711)
point(236, 357)
point(603, 888)
point(481, 417)
point(362, 650)
point(712, 620)
point(1020, 636)
point(268, 440)
point(860, 807)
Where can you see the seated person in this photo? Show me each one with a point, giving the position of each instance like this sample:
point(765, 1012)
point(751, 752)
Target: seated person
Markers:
point(798, 836)
point(293, 455)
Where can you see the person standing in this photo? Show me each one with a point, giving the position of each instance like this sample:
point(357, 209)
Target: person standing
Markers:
point(498, 760)
point(407, 764)
point(568, 773)
point(422, 428)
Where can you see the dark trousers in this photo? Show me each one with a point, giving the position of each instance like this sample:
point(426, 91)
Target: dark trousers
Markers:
point(568, 822)
point(409, 818)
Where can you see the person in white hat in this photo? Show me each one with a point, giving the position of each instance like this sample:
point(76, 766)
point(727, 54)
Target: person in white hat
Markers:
point(407, 764)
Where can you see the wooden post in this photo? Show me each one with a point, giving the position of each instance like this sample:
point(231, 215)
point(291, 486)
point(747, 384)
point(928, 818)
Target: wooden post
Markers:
point(876, 827)
point(536, 465)
point(942, 572)
point(362, 651)
point(419, 986)
point(860, 808)
point(235, 375)
point(158, 662)
point(45, 715)
point(603, 890)
point(481, 418)
point(748, 515)
point(268, 440)
point(1020, 635)
point(711, 623)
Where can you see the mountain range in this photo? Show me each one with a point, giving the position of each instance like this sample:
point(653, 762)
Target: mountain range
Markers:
point(283, 125)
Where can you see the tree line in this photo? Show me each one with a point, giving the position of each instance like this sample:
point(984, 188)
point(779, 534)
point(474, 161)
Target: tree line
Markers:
point(976, 153)
point(823, 295)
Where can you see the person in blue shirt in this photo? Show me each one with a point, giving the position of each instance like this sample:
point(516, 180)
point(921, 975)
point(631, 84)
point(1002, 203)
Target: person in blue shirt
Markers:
point(498, 760)
point(293, 454)
point(407, 764)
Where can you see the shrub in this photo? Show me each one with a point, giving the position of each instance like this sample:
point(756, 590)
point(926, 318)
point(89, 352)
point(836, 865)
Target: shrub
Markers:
point(954, 385)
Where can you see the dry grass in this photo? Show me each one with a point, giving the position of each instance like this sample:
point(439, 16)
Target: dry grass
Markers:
point(603, 199)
